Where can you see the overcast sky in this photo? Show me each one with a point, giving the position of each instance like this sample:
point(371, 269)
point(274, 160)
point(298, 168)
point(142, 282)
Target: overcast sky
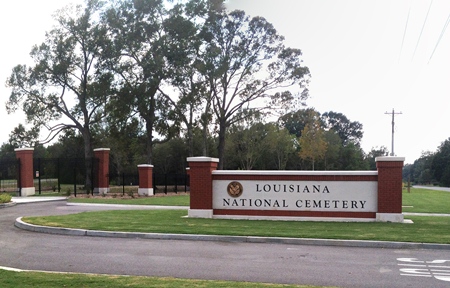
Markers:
point(365, 57)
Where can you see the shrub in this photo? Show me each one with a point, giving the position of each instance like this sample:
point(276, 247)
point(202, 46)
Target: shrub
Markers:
point(5, 198)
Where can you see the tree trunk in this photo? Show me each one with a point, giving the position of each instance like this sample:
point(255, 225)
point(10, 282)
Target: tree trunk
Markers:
point(221, 146)
point(205, 129)
point(190, 135)
point(149, 123)
point(149, 153)
point(88, 158)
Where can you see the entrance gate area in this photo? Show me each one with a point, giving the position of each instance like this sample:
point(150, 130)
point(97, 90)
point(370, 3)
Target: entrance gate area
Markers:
point(9, 176)
point(66, 175)
point(31, 176)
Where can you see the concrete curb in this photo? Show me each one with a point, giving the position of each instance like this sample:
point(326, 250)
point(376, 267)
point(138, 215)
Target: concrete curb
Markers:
point(6, 205)
point(30, 200)
point(242, 239)
point(127, 206)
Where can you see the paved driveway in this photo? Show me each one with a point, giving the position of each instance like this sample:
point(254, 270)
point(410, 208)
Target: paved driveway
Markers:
point(275, 263)
point(446, 189)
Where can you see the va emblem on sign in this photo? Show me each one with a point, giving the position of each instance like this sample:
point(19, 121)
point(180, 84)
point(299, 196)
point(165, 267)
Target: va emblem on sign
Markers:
point(235, 189)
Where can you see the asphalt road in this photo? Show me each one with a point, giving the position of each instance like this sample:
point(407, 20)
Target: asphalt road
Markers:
point(446, 189)
point(274, 263)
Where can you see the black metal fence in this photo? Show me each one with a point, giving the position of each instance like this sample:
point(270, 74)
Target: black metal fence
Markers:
point(164, 183)
point(64, 175)
point(123, 183)
point(68, 176)
point(9, 176)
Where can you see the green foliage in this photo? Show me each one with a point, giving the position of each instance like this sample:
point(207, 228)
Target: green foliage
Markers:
point(373, 154)
point(296, 121)
point(420, 172)
point(237, 49)
point(259, 146)
point(441, 163)
point(313, 145)
point(5, 198)
point(348, 131)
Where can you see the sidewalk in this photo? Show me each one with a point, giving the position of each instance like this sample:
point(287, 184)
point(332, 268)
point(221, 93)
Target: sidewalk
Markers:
point(34, 199)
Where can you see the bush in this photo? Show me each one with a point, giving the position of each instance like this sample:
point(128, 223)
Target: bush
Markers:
point(5, 198)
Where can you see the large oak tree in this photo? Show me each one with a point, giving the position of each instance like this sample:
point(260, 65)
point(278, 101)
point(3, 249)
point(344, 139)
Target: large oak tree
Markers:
point(64, 86)
point(248, 68)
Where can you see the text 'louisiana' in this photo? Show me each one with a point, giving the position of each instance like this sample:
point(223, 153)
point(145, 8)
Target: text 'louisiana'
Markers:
point(291, 188)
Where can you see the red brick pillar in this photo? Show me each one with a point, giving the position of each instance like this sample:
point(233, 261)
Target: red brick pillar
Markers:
point(102, 183)
point(389, 188)
point(200, 172)
point(145, 180)
point(25, 155)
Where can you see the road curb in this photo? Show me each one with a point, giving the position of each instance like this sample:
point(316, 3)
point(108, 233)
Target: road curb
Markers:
point(35, 199)
point(19, 223)
point(129, 206)
point(6, 205)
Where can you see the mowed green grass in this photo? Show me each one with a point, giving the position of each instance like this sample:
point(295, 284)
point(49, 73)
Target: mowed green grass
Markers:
point(10, 279)
point(174, 200)
point(418, 201)
point(424, 229)
point(426, 201)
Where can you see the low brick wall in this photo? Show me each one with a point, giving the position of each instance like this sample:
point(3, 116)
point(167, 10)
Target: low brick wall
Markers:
point(297, 195)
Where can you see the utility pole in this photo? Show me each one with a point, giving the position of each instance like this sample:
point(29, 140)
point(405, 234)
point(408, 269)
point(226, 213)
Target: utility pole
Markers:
point(393, 125)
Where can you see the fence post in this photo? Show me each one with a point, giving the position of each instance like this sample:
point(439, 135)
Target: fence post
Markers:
point(26, 179)
point(145, 180)
point(200, 173)
point(389, 188)
point(59, 176)
point(102, 154)
point(38, 175)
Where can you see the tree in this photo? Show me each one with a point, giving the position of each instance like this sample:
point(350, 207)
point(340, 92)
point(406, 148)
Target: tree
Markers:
point(441, 164)
point(421, 170)
point(281, 145)
point(185, 31)
point(245, 61)
point(312, 142)
point(248, 144)
point(352, 158)
point(20, 137)
point(64, 84)
point(296, 121)
point(374, 153)
point(348, 131)
point(138, 54)
point(334, 147)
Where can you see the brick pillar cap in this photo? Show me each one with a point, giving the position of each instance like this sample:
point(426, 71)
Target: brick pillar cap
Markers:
point(202, 159)
point(145, 166)
point(102, 149)
point(389, 159)
point(23, 149)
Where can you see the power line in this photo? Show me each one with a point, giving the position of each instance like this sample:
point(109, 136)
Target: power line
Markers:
point(393, 125)
point(440, 36)
point(423, 26)
point(404, 33)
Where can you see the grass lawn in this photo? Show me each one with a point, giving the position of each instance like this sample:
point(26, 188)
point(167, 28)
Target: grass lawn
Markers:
point(418, 201)
point(424, 229)
point(426, 201)
point(175, 200)
point(10, 279)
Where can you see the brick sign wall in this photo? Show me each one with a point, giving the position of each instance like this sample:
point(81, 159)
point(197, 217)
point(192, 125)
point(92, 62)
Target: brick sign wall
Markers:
point(297, 195)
